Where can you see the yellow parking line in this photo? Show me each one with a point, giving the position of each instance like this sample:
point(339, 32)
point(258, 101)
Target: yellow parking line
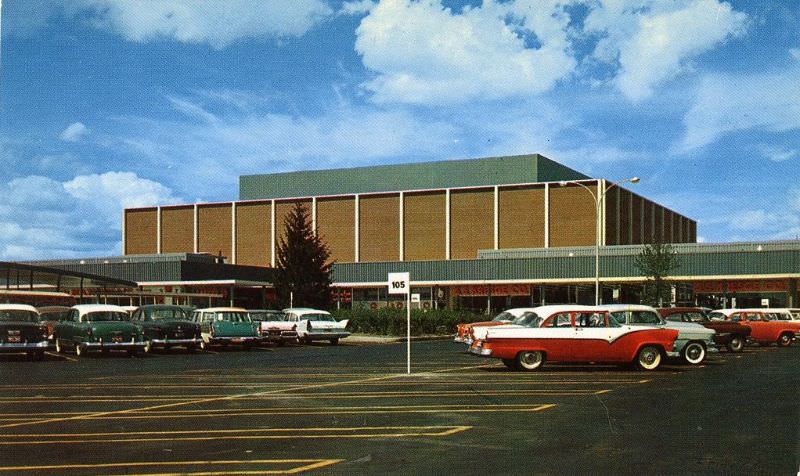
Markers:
point(309, 464)
point(237, 434)
point(60, 356)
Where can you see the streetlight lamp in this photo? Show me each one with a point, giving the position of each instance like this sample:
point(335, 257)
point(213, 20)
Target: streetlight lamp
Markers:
point(598, 200)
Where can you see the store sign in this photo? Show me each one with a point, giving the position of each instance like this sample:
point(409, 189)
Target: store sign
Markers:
point(741, 286)
point(497, 290)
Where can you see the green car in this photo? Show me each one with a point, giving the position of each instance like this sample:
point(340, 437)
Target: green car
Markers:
point(166, 326)
point(98, 327)
point(225, 325)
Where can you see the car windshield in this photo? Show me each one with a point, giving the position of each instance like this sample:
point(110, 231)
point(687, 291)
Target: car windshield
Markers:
point(259, 316)
point(17, 315)
point(644, 317)
point(504, 316)
point(168, 313)
point(528, 319)
point(694, 316)
point(716, 316)
point(54, 315)
point(232, 316)
point(318, 317)
point(106, 316)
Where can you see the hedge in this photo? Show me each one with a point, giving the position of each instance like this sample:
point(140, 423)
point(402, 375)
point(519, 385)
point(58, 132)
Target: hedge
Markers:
point(392, 322)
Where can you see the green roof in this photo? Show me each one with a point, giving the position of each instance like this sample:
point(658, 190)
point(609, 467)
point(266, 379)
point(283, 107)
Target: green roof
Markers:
point(488, 171)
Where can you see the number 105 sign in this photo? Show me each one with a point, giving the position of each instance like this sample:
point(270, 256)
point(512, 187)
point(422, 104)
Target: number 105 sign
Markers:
point(399, 283)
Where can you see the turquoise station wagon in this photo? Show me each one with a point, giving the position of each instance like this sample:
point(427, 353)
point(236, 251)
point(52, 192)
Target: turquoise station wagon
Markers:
point(224, 326)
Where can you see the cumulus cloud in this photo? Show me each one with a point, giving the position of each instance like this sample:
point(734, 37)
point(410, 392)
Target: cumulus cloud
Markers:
point(423, 52)
point(43, 218)
point(728, 103)
point(202, 21)
point(653, 41)
point(779, 223)
point(74, 132)
point(778, 153)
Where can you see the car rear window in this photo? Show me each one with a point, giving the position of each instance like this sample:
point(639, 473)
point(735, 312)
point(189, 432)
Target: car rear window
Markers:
point(17, 315)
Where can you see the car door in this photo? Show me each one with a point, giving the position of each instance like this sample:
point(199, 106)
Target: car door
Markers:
point(592, 338)
point(559, 336)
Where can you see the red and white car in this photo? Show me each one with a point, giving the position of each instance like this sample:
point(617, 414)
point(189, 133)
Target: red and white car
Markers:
point(463, 333)
point(768, 325)
point(529, 317)
point(274, 326)
point(577, 336)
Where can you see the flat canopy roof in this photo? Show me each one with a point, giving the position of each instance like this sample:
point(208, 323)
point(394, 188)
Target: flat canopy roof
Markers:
point(25, 276)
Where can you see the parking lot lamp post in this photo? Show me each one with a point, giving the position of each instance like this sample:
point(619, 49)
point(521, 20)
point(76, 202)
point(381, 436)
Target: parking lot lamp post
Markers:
point(597, 196)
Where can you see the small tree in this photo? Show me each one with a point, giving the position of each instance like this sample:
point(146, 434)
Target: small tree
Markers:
point(303, 269)
point(656, 262)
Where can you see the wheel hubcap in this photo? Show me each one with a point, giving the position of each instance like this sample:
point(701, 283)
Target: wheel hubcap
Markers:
point(649, 357)
point(695, 352)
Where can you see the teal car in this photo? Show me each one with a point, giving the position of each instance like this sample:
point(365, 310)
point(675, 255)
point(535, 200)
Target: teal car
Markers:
point(98, 327)
point(221, 326)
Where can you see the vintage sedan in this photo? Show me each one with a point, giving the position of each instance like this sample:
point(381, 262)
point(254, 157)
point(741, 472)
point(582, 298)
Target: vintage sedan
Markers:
point(531, 317)
point(314, 324)
point(274, 326)
point(694, 341)
point(577, 336)
point(767, 327)
point(21, 331)
point(98, 327)
point(167, 326)
point(225, 325)
point(732, 335)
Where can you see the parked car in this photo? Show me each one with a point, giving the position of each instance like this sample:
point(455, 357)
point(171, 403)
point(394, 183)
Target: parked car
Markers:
point(274, 326)
point(694, 341)
point(50, 315)
point(224, 326)
point(167, 326)
point(21, 331)
point(530, 317)
point(766, 328)
point(505, 317)
point(98, 327)
point(314, 324)
point(577, 336)
point(732, 335)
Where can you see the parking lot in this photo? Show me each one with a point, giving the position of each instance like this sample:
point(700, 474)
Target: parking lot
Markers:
point(351, 409)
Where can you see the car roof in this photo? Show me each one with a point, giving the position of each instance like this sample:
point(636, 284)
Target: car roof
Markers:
point(86, 308)
point(264, 310)
point(161, 306)
point(18, 307)
point(549, 310)
point(53, 309)
point(625, 307)
point(305, 310)
point(222, 309)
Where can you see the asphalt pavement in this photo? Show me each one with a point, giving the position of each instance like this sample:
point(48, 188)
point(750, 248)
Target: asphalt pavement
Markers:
point(351, 409)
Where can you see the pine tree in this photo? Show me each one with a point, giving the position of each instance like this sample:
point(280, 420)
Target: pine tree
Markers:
point(302, 264)
point(655, 262)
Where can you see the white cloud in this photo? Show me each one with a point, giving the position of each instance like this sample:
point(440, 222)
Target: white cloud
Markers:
point(217, 23)
point(778, 154)
point(652, 41)
point(74, 132)
point(728, 103)
point(424, 53)
point(43, 218)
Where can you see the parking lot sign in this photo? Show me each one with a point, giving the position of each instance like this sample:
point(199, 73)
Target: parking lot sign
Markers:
point(399, 283)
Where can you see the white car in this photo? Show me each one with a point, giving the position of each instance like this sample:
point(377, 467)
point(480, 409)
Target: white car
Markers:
point(528, 317)
point(314, 324)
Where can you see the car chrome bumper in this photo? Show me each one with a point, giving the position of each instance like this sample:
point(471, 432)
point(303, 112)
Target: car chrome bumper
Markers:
point(43, 345)
point(326, 335)
point(112, 345)
point(234, 340)
point(175, 341)
point(673, 354)
point(288, 335)
point(479, 350)
point(458, 339)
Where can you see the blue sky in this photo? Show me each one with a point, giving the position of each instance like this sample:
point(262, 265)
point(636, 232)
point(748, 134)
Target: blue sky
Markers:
point(106, 104)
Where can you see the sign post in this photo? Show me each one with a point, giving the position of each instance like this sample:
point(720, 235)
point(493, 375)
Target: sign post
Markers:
point(400, 283)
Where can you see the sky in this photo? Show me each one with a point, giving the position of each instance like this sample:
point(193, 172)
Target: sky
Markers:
point(108, 104)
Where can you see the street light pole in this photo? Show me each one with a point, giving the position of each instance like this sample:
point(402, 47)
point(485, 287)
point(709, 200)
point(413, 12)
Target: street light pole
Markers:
point(598, 200)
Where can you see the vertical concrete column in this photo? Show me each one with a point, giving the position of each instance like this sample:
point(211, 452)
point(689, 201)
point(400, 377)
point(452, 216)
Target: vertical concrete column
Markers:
point(447, 224)
point(233, 232)
point(601, 187)
point(402, 227)
point(158, 230)
point(357, 234)
point(195, 228)
point(547, 215)
point(496, 217)
point(314, 215)
point(618, 215)
point(124, 247)
point(272, 233)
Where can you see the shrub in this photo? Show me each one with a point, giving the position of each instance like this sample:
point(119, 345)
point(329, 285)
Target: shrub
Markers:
point(392, 322)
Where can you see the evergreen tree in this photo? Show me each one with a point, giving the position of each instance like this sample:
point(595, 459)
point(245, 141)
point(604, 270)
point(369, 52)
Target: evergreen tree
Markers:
point(302, 264)
point(656, 261)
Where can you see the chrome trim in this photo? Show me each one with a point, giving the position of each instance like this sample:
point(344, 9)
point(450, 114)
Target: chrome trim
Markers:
point(326, 336)
point(24, 345)
point(175, 341)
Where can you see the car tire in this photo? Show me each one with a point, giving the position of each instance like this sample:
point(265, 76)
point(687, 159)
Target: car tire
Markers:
point(334, 341)
point(509, 363)
point(693, 353)
point(736, 344)
point(784, 340)
point(529, 360)
point(648, 358)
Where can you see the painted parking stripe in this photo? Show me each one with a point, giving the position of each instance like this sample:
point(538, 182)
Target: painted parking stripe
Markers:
point(306, 465)
point(234, 434)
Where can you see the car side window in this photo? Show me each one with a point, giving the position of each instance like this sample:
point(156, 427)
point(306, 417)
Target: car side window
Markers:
point(618, 317)
point(562, 320)
point(693, 317)
point(676, 317)
point(73, 315)
point(589, 319)
point(644, 317)
point(736, 316)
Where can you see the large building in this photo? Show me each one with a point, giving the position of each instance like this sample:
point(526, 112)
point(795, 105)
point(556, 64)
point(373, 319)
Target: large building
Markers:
point(414, 212)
